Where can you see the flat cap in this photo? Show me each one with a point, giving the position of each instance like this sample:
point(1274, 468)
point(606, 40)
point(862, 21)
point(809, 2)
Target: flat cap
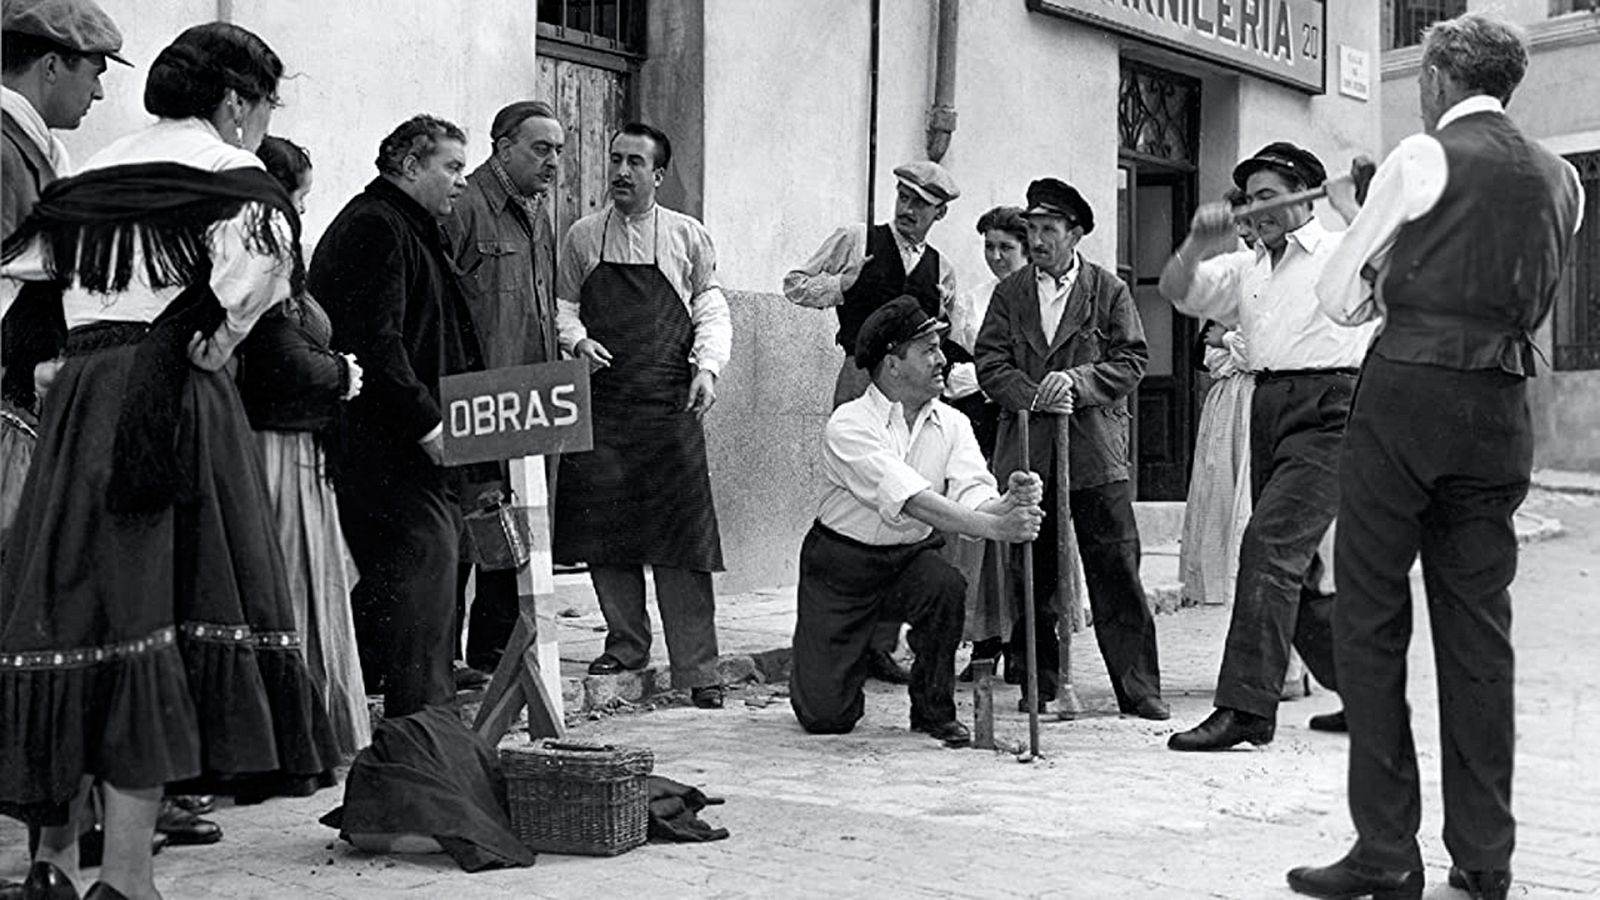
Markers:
point(1054, 197)
point(1288, 159)
point(930, 180)
point(78, 25)
point(890, 325)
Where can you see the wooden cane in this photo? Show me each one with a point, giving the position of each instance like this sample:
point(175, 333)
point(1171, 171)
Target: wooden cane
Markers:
point(1362, 178)
point(1068, 706)
point(1030, 681)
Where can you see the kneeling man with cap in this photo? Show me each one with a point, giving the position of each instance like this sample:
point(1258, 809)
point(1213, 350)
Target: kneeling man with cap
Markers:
point(900, 466)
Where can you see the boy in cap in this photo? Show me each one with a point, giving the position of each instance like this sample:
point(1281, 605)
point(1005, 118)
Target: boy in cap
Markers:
point(860, 268)
point(902, 468)
point(1305, 368)
point(1063, 336)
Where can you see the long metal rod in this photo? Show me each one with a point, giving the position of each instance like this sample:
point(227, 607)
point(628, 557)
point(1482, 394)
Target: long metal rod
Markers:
point(872, 114)
point(1030, 680)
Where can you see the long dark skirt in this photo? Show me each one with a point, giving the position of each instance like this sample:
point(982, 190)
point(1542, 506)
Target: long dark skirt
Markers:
point(152, 649)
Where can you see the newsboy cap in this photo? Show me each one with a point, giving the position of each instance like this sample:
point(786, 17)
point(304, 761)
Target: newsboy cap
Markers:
point(1054, 197)
point(1288, 159)
point(930, 180)
point(77, 25)
point(890, 325)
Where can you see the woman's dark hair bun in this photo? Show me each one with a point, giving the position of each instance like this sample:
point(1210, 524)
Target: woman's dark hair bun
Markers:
point(191, 75)
point(182, 84)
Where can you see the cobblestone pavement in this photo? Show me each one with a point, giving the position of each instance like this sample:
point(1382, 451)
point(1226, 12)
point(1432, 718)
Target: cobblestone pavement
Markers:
point(1109, 812)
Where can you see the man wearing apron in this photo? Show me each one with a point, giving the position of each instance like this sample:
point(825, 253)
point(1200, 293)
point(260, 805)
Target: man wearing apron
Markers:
point(858, 269)
point(637, 296)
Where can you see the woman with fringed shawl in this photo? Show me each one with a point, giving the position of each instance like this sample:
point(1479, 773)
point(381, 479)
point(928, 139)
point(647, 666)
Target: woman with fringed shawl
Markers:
point(147, 637)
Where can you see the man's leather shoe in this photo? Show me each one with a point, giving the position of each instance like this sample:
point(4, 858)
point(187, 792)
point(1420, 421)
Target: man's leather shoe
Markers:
point(606, 664)
point(883, 666)
point(1152, 708)
point(92, 846)
point(46, 882)
point(467, 678)
point(709, 697)
point(1487, 885)
point(1331, 722)
point(184, 828)
point(199, 804)
point(952, 733)
point(1222, 729)
point(1044, 703)
point(1345, 880)
point(102, 891)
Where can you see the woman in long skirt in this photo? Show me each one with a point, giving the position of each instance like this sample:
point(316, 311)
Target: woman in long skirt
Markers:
point(148, 639)
point(293, 387)
point(1219, 487)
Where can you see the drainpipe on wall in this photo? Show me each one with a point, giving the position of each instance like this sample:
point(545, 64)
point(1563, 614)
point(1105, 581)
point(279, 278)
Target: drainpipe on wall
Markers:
point(224, 10)
point(942, 116)
point(872, 112)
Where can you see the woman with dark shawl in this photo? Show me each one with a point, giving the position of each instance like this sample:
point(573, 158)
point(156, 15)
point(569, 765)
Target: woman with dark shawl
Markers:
point(147, 639)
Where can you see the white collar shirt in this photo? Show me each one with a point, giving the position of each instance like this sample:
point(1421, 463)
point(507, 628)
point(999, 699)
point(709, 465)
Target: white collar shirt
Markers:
point(1053, 294)
point(1275, 307)
point(873, 462)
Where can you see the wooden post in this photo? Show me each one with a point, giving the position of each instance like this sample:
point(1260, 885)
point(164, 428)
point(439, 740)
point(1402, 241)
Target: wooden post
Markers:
point(1030, 681)
point(529, 673)
point(1068, 706)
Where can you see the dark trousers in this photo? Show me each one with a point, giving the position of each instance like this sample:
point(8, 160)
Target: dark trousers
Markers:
point(1296, 426)
point(847, 587)
point(404, 532)
point(487, 627)
point(1435, 461)
point(1108, 541)
point(688, 619)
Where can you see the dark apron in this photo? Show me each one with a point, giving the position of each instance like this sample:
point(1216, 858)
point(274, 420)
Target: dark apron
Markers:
point(642, 496)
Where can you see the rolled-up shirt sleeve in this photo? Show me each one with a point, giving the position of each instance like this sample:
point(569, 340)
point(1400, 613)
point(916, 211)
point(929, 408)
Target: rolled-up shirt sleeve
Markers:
point(869, 470)
point(1214, 291)
point(708, 306)
point(571, 270)
point(819, 284)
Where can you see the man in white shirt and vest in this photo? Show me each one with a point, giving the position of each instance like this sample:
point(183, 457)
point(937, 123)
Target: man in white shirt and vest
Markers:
point(903, 469)
point(1459, 248)
point(1305, 376)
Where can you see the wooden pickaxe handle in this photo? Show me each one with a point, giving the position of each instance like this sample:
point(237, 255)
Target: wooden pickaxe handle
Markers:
point(1361, 174)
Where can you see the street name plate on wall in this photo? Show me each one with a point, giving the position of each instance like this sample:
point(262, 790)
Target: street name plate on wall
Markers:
point(1280, 40)
point(518, 411)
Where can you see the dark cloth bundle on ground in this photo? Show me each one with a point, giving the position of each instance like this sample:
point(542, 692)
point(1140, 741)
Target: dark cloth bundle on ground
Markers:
point(428, 774)
point(674, 813)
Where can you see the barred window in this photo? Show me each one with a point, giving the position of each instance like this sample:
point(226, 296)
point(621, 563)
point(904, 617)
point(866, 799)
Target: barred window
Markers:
point(1577, 308)
point(605, 26)
point(1412, 16)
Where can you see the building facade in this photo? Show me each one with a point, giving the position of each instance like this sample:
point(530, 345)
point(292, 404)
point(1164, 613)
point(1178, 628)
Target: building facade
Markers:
point(787, 118)
point(1554, 105)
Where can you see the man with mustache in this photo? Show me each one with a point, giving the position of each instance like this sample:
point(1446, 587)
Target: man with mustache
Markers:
point(1305, 367)
point(1063, 336)
point(860, 268)
point(638, 296)
point(384, 272)
point(505, 248)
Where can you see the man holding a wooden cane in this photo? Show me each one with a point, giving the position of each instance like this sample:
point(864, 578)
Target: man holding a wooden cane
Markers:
point(1305, 376)
point(1063, 336)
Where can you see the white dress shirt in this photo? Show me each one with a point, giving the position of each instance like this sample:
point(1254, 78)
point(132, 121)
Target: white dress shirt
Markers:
point(873, 463)
point(1275, 307)
point(1053, 294)
point(682, 250)
point(1405, 188)
point(247, 283)
point(819, 283)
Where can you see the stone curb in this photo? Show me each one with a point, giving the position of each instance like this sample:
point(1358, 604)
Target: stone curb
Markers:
point(1567, 482)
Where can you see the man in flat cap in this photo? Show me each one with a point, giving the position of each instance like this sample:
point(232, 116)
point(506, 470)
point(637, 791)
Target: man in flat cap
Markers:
point(505, 247)
point(1460, 247)
point(860, 268)
point(1063, 336)
point(1305, 368)
point(902, 469)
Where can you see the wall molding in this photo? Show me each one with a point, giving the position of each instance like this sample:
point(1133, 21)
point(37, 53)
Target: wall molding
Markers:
point(1572, 29)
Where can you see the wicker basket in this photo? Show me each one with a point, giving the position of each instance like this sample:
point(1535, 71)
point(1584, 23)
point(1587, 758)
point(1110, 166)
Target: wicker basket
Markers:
point(587, 799)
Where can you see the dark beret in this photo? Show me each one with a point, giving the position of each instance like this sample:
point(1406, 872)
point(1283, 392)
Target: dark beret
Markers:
point(890, 325)
point(1054, 197)
point(1288, 159)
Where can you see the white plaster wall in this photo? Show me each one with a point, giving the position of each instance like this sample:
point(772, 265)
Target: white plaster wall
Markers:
point(354, 70)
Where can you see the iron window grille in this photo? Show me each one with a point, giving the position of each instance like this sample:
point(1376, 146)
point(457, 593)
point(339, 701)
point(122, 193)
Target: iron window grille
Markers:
point(1577, 307)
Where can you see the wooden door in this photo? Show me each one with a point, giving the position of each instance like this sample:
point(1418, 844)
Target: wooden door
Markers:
point(592, 103)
